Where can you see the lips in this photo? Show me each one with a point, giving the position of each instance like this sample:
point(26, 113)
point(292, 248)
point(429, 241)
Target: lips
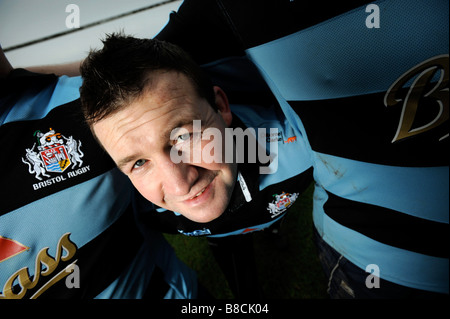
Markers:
point(202, 196)
point(201, 192)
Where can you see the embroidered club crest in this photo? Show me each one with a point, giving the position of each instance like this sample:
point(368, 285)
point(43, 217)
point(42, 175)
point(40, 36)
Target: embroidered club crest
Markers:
point(55, 158)
point(54, 154)
point(281, 203)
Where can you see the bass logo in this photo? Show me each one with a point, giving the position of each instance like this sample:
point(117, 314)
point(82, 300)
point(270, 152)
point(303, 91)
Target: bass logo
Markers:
point(54, 154)
point(46, 264)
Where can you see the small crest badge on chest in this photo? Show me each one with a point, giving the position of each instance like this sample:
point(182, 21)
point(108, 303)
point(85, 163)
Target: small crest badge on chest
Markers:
point(281, 203)
point(53, 154)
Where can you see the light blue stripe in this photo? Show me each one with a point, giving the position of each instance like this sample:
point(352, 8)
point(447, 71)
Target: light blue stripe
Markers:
point(29, 106)
point(32, 106)
point(417, 191)
point(396, 265)
point(81, 210)
point(342, 57)
point(67, 90)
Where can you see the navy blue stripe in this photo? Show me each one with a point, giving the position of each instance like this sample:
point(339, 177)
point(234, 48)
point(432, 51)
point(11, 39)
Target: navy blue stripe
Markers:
point(399, 230)
point(362, 128)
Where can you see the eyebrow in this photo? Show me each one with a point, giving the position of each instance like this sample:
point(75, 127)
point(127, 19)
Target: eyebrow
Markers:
point(182, 121)
point(177, 123)
point(124, 162)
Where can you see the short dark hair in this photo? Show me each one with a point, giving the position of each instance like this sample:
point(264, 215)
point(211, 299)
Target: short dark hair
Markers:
point(117, 74)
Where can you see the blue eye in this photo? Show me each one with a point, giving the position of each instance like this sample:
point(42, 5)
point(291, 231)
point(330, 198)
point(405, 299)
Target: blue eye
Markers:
point(182, 138)
point(139, 163)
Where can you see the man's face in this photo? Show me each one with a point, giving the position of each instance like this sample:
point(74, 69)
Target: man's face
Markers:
point(141, 136)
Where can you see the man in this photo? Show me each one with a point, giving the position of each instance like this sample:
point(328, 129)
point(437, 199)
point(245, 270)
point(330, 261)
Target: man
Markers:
point(67, 228)
point(175, 136)
point(366, 85)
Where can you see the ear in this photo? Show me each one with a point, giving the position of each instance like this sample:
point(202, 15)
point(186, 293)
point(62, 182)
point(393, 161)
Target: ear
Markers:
point(222, 105)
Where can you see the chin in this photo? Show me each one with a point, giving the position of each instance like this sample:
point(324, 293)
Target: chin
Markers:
point(203, 218)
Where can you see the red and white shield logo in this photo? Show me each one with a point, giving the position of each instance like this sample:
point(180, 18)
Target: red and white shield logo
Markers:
point(55, 158)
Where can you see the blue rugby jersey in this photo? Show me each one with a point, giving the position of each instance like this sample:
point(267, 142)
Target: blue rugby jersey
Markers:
point(64, 203)
point(370, 100)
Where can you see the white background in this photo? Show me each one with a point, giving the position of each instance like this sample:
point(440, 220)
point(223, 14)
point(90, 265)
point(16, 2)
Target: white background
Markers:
point(22, 21)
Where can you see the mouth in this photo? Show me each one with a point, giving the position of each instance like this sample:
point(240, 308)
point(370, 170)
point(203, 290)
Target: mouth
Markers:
point(201, 192)
point(200, 197)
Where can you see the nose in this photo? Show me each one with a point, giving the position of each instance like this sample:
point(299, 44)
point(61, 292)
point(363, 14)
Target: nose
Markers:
point(177, 179)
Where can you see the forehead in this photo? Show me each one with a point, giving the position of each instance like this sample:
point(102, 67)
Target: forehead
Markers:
point(168, 101)
point(163, 85)
point(170, 97)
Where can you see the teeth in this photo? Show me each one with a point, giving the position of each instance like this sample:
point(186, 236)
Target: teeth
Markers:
point(201, 192)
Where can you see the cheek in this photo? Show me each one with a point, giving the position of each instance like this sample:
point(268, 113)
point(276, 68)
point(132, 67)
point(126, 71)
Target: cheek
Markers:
point(147, 189)
point(225, 179)
point(215, 149)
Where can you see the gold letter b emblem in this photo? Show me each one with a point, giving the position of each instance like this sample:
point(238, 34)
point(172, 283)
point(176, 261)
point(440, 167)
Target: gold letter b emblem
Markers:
point(421, 75)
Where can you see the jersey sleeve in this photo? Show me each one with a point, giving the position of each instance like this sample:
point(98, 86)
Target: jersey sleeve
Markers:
point(201, 29)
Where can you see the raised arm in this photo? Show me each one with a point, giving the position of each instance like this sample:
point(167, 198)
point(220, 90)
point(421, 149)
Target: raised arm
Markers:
point(5, 66)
